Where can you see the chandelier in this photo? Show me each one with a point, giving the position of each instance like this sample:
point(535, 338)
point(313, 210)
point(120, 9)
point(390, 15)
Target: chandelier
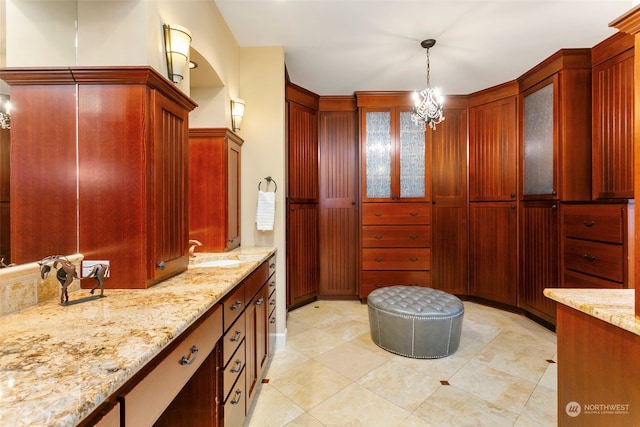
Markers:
point(428, 103)
point(5, 118)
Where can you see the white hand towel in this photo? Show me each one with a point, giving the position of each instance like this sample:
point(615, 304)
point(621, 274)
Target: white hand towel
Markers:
point(266, 211)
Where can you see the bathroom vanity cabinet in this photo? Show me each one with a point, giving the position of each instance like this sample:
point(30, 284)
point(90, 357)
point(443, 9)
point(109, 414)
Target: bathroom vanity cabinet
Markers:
point(112, 180)
point(214, 188)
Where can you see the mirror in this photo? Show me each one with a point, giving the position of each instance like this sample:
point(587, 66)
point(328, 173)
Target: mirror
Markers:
point(33, 33)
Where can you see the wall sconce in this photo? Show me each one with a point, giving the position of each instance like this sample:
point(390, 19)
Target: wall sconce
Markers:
point(5, 116)
point(237, 112)
point(177, 41)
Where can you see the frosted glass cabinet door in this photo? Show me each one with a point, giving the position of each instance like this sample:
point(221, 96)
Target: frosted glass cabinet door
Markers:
point(412, 161)
point(378, 154)
point(538, 142)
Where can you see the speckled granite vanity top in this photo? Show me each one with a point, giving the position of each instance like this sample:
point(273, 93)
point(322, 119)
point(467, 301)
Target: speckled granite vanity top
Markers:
point(614, 306)
point(57, 364)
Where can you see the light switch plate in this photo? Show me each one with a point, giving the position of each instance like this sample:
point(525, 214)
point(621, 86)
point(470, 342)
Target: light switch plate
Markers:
point(88, 265)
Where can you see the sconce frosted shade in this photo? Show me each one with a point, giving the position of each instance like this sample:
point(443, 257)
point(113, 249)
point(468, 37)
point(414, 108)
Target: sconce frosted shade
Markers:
point(177, 42)
point(237, 112)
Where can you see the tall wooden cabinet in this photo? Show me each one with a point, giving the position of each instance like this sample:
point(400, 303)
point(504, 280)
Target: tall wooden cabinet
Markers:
point(449, 214)
point(338, 176)
point(395, 189)
point(493, 205)
point(124, 161)
point(613, 124)
point(214, 188)
point(302, 196)
point(555, 165)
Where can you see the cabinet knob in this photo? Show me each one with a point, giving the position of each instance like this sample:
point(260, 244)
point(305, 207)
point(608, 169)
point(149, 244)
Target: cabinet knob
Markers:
point(589, 258)
point(553, 193)
point(260, 302)
point(273, 320)
point(512, 195)
point(161, 265)
point(588, 223)
point(236, 305)
point(554, 207)
point(185, 359)
point(513, 207)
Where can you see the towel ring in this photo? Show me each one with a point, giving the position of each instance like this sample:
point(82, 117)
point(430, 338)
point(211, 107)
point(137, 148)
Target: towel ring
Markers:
point(269, 179)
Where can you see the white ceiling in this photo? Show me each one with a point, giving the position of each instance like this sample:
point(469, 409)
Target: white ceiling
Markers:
point(338, 47)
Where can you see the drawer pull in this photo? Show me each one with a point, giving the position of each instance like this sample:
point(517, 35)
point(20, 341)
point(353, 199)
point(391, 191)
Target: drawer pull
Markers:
point(413, 259)
point(236, 305)
point(414, 213)
point(378, 285)
point(413, 236)
point(272, 283)
point(588, 223)
point(589, 258)
point(272, 265)
point(236, 336)
point(186, 361)
point(272, 302)
point(237, 399)
point(414, 284)
point(273, 320)
point(377, 236)
point(260, 302)
point(378, 214)
point(237, 366)
point(378, 259)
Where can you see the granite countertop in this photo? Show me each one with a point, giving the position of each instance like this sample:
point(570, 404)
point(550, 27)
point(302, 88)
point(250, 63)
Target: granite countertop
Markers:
point(614, 306)
point(59, 363)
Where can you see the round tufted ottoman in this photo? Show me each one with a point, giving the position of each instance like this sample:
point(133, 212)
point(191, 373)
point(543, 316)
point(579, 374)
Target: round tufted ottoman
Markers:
point(415, 322)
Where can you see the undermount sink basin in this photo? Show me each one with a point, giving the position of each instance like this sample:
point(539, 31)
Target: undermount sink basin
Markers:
point(219, 263)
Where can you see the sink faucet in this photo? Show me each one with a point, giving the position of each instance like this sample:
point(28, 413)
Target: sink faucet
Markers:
point(192, 248)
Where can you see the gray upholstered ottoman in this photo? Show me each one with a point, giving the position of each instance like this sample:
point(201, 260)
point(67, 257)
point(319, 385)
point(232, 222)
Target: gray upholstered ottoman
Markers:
point(415, 322)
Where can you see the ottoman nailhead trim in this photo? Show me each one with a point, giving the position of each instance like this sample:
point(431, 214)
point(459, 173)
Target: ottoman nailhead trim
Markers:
point(439, 313)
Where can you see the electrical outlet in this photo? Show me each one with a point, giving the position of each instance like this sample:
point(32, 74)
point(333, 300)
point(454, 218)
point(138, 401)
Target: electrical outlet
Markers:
point(88, 265)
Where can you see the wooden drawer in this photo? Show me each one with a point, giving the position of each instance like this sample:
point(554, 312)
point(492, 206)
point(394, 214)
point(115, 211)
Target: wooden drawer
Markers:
point(371, 280)
point(272, 284)
point(233, 408)
point(396, 236)
point(396, 259)
point(604, 223)
point(272, 301)
point(574, 279)
point(396, 213)
point(149, 398)
point(604, 260)
point(232, 371)
point(233, 306)
point(232, 339)
point(254, 282)
point(271, 262)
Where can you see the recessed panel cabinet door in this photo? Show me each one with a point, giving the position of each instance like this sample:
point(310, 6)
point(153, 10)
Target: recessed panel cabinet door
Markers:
point(493, 248)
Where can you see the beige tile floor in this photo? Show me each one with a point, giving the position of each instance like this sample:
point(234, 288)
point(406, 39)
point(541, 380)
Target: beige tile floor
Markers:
point(332, 374)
